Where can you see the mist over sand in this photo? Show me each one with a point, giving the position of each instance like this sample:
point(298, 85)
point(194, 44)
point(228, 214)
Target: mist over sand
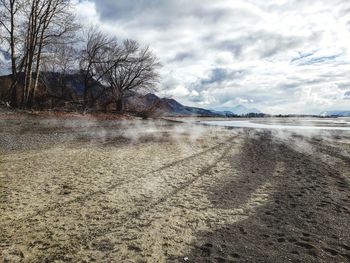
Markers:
point(84, 190)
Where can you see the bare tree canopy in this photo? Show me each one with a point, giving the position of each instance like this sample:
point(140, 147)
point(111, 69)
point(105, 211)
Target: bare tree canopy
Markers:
point(136, 71)
point(30, 29)
point(120, 67)
point(40, 36)
point(9, 33)
point(95, 53)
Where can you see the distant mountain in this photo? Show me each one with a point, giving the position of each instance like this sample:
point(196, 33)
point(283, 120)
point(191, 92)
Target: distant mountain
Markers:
point(336, 113)
point(153, 105)
point(238, 110)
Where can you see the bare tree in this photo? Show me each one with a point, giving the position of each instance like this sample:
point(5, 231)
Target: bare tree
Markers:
point(49, 22)
point(9, 11)
point(119, 67)
point(99, 54)
point(29, 28)
point(136, 72)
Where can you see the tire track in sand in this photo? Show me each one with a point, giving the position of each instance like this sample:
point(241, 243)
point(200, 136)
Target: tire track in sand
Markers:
point(166, 230)
point(83, 239)
point(143, 206)
point(90, 195)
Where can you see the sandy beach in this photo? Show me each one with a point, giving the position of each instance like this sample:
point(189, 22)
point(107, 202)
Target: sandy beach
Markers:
point(89, 190)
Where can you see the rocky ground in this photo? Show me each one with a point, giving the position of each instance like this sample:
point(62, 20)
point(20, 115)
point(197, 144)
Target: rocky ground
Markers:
point(92, 190)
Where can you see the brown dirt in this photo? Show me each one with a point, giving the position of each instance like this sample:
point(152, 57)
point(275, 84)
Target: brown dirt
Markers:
point(165, 192)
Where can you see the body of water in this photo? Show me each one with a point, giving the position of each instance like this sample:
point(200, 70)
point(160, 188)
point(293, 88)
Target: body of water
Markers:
point(328, 124)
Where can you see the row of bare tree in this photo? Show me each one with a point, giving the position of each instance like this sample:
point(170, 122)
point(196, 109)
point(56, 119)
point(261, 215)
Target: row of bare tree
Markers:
point(43, 36)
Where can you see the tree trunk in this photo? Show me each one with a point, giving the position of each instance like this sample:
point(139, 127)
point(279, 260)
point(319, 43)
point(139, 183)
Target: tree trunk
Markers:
point(25, 87)
point(37, 74)
point(29, 87)
point(46, 21)
point(13, 89)
point(33, 31)
point(86, 89)
point(30, 58)
point(36, 79)
point(13, 96)
point(119, 105)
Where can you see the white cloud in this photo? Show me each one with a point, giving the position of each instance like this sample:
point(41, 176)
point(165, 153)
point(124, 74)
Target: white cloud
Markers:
point(179, 91)
point(278, 56)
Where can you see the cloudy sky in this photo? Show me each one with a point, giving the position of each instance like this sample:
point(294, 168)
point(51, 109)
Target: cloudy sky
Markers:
point(280, 56)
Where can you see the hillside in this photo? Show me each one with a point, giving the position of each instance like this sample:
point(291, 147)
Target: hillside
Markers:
point(154, 105)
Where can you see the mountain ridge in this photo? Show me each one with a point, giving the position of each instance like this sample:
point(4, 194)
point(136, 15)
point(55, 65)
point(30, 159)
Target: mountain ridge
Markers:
point(337, 113)
point(155, 105)
point(52, 94)
point(238, 110)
